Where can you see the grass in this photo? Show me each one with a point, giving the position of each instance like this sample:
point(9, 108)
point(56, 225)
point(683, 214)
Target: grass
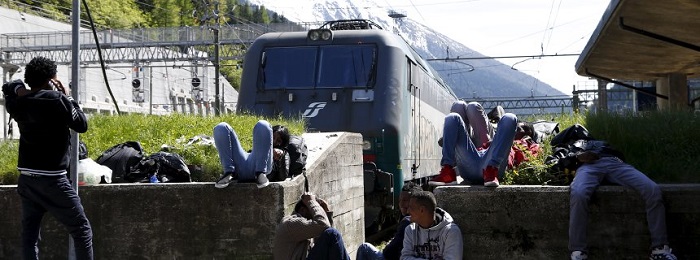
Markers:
point(153, 132)
point(662, 145)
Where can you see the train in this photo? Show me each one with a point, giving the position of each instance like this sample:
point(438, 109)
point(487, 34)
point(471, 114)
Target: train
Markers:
point(352, 75)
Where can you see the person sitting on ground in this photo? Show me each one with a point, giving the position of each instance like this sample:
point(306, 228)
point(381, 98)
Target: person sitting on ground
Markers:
point(433, 234)
point(595, 161)
point(466, 129)
point(392, 251)
point(308, 233)
point(268, 157)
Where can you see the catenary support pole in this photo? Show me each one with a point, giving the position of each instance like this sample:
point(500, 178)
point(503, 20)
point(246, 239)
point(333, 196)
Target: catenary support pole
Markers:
point(75, 86)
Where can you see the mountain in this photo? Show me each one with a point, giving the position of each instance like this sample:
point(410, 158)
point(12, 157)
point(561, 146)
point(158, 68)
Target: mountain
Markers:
point(489, 78)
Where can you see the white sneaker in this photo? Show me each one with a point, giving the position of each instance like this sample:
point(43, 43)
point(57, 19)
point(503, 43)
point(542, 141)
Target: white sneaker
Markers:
point(225, 180)
point(261, 180)
point(662, 253)
point(578, 255)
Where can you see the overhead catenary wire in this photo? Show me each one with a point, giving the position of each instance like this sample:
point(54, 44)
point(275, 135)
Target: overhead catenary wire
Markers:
point(99, 54)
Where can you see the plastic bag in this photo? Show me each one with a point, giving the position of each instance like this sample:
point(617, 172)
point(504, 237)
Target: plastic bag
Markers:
point(92, 173)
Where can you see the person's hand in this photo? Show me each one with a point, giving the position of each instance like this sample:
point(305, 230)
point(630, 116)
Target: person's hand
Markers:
point(307, 198)
point(587, 156)
point(277, 153)
point(323, 204)
point(59, 86)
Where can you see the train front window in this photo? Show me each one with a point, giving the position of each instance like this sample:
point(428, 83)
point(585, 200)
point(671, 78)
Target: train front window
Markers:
point(335, 66)
point(289, 67)
point(345, 66)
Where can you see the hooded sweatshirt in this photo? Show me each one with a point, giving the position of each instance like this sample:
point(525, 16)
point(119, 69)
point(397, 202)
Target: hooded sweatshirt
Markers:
point(44, 118)
point(442, 241)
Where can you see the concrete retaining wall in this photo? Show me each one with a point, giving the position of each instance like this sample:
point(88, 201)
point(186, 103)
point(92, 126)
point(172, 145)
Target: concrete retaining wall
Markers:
point(531, 222)
point(198, 221)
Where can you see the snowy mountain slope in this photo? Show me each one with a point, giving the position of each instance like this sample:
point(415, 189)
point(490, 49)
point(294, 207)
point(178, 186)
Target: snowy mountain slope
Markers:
point(488, 78)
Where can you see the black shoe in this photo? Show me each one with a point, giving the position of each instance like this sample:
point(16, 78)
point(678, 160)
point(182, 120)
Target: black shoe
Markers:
point(261, 180)
point(226, 179)
point(496, 114)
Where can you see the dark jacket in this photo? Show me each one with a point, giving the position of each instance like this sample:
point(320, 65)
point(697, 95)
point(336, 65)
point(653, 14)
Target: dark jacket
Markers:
point(44, 118)
point(571, 142)
point(392, 251)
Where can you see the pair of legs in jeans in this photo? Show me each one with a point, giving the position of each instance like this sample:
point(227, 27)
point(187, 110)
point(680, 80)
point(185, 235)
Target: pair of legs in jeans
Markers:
point(329, 245)
point(55, 195)
point(467, 128)
point(367, 251)
point(235, 159)
point(590, 175)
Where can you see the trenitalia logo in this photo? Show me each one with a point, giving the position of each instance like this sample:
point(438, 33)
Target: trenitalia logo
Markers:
point(313, 109)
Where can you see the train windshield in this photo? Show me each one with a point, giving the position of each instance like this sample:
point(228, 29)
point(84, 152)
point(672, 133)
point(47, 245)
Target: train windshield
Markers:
point(336, 66)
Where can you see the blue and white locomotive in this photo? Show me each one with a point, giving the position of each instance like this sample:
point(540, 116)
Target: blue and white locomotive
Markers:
point(351, 75)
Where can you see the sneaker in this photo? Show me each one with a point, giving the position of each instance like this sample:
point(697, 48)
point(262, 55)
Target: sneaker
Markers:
point(490, 176)
point(496, 114)
point(447, 176)
point(226, 179)
point(578, 255)
point(261, 180)
point(662, 252)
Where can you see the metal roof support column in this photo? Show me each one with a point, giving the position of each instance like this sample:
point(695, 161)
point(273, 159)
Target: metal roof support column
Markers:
point(675, 86)
point(602, 95)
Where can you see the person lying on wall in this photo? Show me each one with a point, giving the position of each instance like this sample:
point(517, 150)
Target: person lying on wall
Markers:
point(267, 161)
point(465, 131)
point(593, 162)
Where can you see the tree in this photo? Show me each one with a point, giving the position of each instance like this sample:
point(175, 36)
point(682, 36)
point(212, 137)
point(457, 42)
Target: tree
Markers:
point(166, 13)
point(187, 10)
point(263, 16)
point(116, 13)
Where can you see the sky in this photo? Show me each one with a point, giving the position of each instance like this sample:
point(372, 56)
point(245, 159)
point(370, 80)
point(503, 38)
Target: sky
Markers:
point(516, 27)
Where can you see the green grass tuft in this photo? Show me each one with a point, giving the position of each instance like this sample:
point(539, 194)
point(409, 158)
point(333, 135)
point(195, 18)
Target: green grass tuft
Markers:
point(153, 132)
point(662, 145)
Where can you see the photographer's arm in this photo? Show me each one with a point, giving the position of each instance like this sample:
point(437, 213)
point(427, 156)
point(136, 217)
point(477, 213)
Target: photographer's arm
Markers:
point(76, 118)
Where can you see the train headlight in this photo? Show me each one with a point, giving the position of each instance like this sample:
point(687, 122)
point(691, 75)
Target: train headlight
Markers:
point(366, 145)
point(320, 34)
point(314, 35)
point(326, 35)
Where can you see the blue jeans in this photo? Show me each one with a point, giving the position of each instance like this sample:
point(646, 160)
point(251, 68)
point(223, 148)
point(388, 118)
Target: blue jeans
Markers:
point(329, 245)
point(235, 159)
point(589, 176)
point(367, 251)
point(459, 150)
point(475, 120)
point(56, 196)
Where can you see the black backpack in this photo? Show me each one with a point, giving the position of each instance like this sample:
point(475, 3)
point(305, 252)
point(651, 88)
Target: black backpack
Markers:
point(298, 152)
point(120, 158)
point(167, 167)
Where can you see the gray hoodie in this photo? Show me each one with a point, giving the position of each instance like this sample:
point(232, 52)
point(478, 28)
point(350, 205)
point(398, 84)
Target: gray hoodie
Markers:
point(442, 241)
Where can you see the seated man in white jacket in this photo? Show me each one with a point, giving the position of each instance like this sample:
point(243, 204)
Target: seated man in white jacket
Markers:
point(432, 235)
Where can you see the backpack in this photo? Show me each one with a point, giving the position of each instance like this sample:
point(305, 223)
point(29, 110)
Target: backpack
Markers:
point(120, 158)
point(167, 167)
point(280, 170)
point(298, 152)
point(82, 150)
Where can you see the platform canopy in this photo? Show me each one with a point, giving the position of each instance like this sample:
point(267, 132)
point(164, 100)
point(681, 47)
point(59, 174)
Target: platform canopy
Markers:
point(644, 40)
